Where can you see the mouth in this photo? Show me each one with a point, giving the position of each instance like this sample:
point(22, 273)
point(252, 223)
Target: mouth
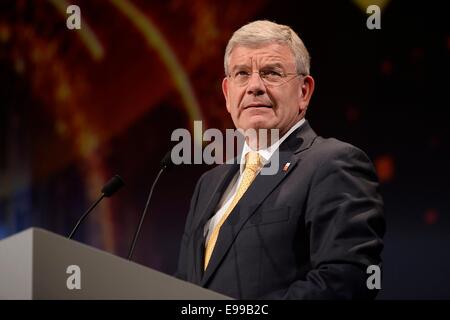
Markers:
point(257, 105)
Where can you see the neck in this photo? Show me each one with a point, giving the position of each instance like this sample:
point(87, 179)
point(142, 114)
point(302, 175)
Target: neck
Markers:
point(262, 138)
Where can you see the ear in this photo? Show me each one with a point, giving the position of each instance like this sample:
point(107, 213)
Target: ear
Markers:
point(305, 91)
point(225, 93)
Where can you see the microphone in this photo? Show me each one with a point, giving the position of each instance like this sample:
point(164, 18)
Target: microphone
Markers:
point(165, 163)
point(111, 187)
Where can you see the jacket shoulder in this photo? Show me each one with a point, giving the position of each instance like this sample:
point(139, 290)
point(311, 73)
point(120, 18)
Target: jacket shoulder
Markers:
point(327, 148)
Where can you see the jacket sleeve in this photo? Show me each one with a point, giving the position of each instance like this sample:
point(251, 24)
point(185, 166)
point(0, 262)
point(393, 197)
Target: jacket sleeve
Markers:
point(345, 223)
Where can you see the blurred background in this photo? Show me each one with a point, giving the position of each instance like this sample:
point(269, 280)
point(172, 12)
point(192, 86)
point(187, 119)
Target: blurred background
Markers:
point(78, 106)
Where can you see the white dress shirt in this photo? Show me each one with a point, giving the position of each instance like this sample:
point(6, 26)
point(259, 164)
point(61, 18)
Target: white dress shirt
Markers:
point(228, 195)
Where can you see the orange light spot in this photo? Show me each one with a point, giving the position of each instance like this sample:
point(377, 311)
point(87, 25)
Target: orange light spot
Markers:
point(385, 168)
point(5, 33)
point(63, 92)
point(61, 128)
point(87, 143)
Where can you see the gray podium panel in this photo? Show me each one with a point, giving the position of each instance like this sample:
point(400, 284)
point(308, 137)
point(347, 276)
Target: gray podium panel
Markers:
point(34, 263)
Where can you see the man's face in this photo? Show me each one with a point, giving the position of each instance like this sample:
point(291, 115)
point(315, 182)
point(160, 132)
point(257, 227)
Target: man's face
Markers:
point(258, 105)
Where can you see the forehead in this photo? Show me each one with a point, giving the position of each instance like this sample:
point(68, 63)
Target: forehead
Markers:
point(269, 53)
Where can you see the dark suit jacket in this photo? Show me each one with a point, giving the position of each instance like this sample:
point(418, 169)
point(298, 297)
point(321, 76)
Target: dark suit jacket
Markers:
point(306, 233)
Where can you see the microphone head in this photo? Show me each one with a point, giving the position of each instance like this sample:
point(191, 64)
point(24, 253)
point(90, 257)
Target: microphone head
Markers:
point(166, 162)
point(112, 186)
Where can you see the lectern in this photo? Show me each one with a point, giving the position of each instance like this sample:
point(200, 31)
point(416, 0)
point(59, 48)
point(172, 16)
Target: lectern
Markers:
point(38, 264)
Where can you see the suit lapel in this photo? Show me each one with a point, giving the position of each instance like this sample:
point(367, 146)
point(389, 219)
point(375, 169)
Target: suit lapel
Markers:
point(212, 201)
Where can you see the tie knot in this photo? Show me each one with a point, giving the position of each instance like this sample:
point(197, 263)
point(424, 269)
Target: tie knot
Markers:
point(253, 161)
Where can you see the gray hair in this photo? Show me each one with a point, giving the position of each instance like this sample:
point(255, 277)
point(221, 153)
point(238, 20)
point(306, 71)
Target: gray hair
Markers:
point(258, 33)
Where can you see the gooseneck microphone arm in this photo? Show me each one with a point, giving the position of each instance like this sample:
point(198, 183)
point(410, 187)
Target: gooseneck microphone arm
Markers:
point(114, 184)
point(85, 215)
point(138, 230)
point(166, 162)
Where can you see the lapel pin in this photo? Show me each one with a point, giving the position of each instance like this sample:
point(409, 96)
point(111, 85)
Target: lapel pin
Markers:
point(286, 166)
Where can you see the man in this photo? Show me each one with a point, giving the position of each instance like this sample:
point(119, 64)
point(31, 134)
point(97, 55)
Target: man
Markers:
point(310, 230)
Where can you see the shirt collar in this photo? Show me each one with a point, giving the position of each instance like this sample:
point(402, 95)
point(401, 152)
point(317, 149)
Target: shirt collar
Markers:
point(267, 153)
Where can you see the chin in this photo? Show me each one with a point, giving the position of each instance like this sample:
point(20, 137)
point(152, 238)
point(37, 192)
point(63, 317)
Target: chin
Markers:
point(258, 122)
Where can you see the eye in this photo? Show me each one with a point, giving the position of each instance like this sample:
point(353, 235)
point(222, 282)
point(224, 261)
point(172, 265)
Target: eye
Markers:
point(271, 73)
point(241, 73)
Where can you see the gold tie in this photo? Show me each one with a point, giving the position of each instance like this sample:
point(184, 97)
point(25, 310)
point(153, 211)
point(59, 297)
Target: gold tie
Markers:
point(252, 165)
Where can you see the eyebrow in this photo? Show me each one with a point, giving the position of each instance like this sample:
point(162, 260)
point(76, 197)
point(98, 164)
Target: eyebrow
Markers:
point(274, 65)
point(269, 65)
point(240, 66)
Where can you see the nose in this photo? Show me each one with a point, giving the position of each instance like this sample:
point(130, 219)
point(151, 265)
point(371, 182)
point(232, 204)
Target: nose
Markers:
point(255, 85)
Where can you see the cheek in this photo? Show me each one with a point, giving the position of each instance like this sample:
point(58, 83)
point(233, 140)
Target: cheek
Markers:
point(288, 105)
point(233, 103)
